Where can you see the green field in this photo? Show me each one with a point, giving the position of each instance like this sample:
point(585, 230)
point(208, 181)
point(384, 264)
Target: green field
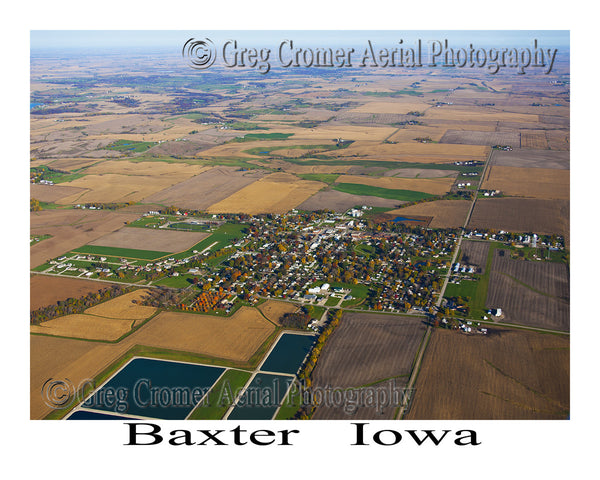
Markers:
point(120, 252)
point(130, 146)
point(250, 137)
point(190, 227)
point(328, 178)
point(54, 176)
point(393, 194)
point(221, 396)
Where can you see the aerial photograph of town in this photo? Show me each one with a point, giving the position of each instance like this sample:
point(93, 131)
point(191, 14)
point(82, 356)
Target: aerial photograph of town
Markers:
point(346, 226)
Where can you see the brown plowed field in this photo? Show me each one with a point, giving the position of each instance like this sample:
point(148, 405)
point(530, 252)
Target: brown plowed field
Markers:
point(465, 137)
point(46, 290)
point(209, 187)
point(522, 215)
point(368, 347)
point(71, 229)
point(445, 213)
point(378, 402)
point(475, 253)
point(534, 140)
point(530, 293)
point(52, 193)
point(519, 157)
point(161, 240)
point(507, 374)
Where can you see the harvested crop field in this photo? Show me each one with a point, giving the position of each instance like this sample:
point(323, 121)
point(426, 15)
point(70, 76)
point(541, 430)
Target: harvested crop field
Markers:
point(111, 187)
point(465, 137)
point(161, 240)
point(445, 213)
point(274, 310)
point(90, 327)
point(276, 193)
point(435, 186)
point(341, 201)
point(232, 338)
point(420, 173)
point(52, 193)
point(534, 140)
point(522, 215)
point(125, 306)
point(520, 157)
point(106, 321)
point(548, 183)
point(507, 374)
point(368, 347)
point(474, 253)
point(455, 151)
point(47, 290)
point(377, 402)
point(71, 229)
point(207, 188)
point(126, 167)
point(530, 293)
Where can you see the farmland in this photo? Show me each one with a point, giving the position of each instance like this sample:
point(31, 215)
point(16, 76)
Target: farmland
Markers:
point(530, 293)
point(159, 240)
point(228, 201)
point(507, 374)
point(368, 348)
point(522, 215)
point(547, 183)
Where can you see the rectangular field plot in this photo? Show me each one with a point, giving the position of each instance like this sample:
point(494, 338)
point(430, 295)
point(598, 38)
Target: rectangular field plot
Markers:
point(367, 348)
point(520, 157)
point(120, 252)
point(262, 398)
point(162, 240)
point(289, 353)
point(154, 388)
point(530, 293)
point(465, 137)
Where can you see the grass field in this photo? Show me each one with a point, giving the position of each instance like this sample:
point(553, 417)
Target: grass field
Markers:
point(221, 396)
point(393, 194)
point(120, 252)
point(130, 146)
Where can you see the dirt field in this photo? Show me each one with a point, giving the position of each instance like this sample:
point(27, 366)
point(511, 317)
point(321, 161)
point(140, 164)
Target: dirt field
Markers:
point(530, 293)
point(445, 213)
point(207, 188)
point(474, 253)
point(455, 112)
point(522, 215)
point(375, 149)
point(276, 193)
point(46, 290)
point(71, 229)
point(367, 347)
point(341, 201)
point(534, 140)
point(420, 173)
point(351, 408)
point(519, 157)
point(125, 306)
point(52, 193)
point(274, 310)
point(547, 183)
point(437, 186)
point(234, 338)
point(464, 137)
point(161, 240)
point(507, 374)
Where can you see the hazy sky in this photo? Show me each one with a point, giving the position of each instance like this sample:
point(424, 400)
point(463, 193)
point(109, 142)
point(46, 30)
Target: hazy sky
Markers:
point(110, 39)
